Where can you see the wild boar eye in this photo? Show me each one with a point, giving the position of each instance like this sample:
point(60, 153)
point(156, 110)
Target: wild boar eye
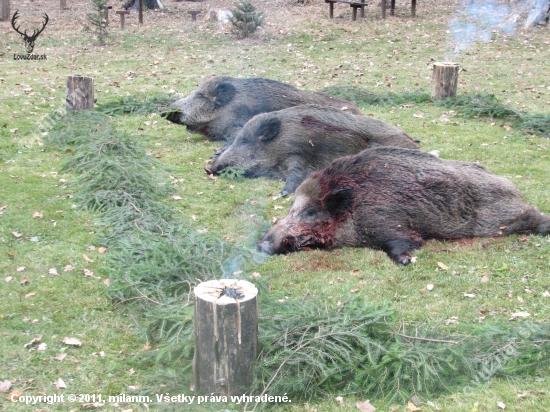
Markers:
point(311, 213)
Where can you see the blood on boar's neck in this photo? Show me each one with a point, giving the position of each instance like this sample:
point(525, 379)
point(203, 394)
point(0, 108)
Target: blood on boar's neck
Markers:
point(395, 199)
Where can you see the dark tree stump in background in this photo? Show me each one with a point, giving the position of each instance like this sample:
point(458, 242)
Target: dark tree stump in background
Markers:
point(226, 336)
point(80, 93)
point(444, 80)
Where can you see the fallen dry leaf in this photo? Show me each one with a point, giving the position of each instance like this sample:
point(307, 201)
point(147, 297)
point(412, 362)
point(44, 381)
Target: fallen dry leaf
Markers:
point(33, 342)
point(72, 341)
point(68, 268)
point(501, 405)
point(443, 266)
point(24, 280)
point(5, 386)
point(17, 234)
point(53, 271)
point(520, 315)
point(176, 197)
point(87, 259)
point(8, 279)
point(147, 346)
point(430, 286)
point(102, 250)
point(107, 282)
point(94, 405)
point(37, 215)
point(60, 384)
point(340, 400)
point(485, 278)
point(60, 357)
point(411, 406)
point(470, 295)
point(29, 295)
point(20, 269)
point(14, 396)
point(42, 347)
point(365, 406)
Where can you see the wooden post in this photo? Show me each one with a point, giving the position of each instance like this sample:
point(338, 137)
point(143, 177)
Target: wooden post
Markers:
point(5, 12)
point(226, 336)
point(383, 6)
point(193, 14)
point(413, 8)
point(63, 4)
point(140, 10)
point(444, 80)
point(80, 93)
point(122, 14)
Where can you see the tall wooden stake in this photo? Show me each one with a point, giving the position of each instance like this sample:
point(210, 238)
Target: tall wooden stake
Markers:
point(140, 8)
point(226, 336)
point(5, 12)
point(444, 80)
point(63, 4)
point(80, 93)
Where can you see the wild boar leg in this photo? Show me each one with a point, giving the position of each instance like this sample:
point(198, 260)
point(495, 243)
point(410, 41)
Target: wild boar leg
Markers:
point(399, 250)
point(296, 175)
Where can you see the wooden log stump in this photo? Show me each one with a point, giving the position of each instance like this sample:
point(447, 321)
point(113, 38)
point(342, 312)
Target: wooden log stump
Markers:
point(5, 10)
point(226, 336)
point(444, 80)
point(80, 93)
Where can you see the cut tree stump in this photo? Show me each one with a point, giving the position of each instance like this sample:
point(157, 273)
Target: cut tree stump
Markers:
point(80, 93)
point(226, 336)
point(444, 80)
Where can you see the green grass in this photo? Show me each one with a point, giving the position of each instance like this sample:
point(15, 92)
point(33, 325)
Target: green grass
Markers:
point(321, 55)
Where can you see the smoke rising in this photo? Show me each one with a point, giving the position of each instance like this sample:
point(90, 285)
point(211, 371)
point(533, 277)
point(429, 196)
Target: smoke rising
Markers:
point(477, 20)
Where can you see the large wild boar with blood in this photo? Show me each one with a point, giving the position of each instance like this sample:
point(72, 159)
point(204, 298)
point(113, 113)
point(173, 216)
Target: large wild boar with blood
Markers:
point(290, 144)
point(221, 106)
point(395, 199)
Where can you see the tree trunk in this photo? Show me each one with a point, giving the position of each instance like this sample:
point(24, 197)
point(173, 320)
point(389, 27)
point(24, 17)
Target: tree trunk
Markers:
point(80, 93)
point(444, 80)
point(226, 336)
point(5, 12)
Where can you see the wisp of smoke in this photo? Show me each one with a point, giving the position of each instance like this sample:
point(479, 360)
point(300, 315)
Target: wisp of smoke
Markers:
point(477, 19)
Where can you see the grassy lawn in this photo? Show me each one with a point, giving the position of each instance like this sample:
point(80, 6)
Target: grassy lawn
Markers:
point(54, 273)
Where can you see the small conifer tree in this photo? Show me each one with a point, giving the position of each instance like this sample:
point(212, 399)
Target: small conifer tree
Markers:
point(97, 20)
point(245, 19)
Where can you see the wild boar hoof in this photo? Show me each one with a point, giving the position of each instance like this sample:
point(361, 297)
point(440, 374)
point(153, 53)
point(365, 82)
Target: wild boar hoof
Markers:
point(284, 193)
point(404, 260)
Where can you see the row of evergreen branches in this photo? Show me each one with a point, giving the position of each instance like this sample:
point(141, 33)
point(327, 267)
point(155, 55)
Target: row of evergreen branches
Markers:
point(309, 348)
point(468, 105)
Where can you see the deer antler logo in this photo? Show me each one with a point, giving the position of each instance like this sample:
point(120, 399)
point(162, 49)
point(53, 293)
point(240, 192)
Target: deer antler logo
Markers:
point(28, 39)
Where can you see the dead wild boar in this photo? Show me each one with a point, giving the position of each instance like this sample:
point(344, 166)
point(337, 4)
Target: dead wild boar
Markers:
point(221, 106)
point(395, 199)
point(290, 144)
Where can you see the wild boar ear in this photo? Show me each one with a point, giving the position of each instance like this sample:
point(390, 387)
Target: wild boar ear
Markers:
point(269, 129)
point(223, 94)
point(339, 201)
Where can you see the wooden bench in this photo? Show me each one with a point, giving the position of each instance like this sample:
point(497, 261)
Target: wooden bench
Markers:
point(353, 4)
point(383, 4)
point(356, 5)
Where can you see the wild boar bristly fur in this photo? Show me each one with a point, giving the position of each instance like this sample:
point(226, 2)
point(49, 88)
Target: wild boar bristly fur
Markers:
point(291, 143)
point(395, 199)
point(222, 105)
